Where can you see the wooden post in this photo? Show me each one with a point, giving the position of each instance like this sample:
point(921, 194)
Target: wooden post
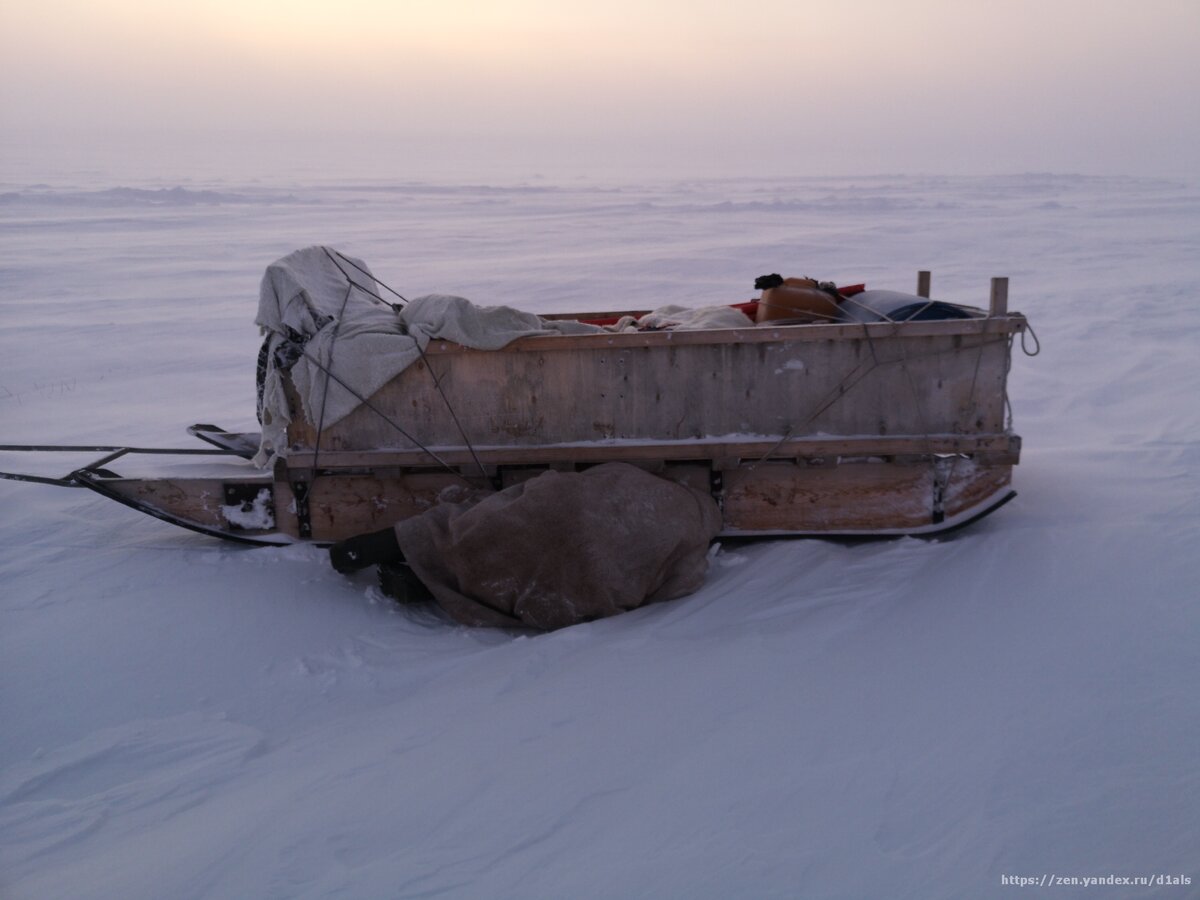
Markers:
point(923, 280)
point(998, 306)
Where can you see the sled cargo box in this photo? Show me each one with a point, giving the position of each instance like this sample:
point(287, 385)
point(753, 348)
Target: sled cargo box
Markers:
point(845, 428)
point(889, 427)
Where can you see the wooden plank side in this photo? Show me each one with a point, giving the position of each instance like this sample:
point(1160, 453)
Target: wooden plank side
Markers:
point(789, 497)
point(909, 384)
point(1010, 323)
point(970, 483)
point(865, 498)
point(996, 447)
point(345, 505)
point(771, 497)
point(197, 500)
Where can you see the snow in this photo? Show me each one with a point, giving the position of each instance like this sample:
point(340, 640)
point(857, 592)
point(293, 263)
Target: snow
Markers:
point(906, 718)
point(254, 514)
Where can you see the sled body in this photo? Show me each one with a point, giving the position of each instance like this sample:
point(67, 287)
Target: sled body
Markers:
point(806, 429)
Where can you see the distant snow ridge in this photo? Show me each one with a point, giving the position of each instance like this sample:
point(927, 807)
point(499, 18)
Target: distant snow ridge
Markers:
point(123, 196)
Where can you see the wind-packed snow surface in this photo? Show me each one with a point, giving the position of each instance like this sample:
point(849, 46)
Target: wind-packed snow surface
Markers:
point(910, 718)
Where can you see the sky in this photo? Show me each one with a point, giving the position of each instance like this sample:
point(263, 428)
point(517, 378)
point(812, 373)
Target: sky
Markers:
point(733, 87)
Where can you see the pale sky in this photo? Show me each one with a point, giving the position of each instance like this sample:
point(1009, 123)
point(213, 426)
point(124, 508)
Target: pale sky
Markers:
point(690, 86)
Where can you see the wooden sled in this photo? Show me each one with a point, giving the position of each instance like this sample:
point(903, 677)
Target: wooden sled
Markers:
point(813, 429)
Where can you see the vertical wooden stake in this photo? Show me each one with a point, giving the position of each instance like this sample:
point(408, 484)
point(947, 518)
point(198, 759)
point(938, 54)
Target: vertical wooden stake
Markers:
point(998, 306)
point(923, 280)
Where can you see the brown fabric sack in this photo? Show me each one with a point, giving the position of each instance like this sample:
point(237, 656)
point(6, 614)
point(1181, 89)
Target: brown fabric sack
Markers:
point(562, 548)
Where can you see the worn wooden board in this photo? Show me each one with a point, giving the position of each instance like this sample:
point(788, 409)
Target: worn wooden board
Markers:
point(341, 506)
point(994, 447)
point(898, 379)
point(782, 497)
point(193, 502)
point(776, 497)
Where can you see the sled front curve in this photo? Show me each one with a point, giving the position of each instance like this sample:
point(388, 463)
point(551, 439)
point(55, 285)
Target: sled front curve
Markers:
point(202, 505)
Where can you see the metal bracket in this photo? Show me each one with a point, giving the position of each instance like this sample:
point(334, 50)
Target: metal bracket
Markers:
point(716, 487)
point(943, 468)
point(300, 491)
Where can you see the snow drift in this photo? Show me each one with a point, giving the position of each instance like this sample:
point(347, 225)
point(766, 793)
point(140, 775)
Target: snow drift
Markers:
point(895, 719)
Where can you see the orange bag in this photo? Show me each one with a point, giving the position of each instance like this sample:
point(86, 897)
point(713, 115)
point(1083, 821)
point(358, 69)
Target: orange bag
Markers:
point(799, 299)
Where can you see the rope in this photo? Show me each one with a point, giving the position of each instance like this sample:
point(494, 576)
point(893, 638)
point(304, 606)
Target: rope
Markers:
point(337, 324)
point(375, 409)
point(376, 279)
point(364, 271)
point(857, 374)
point(362, 287)
point(1008, 410)
point(352, 284)
point(939, 486)
point(883, 316)
point(838, 390)
point(940, 483)
point(800, 314)
point(945, 483)
point(1037, 345)
point(437, 383)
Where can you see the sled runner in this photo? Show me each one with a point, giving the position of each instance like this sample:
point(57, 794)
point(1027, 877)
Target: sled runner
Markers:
point(867, 423)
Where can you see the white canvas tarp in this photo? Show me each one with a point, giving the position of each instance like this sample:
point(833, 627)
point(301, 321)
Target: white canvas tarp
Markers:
point(307, 300)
